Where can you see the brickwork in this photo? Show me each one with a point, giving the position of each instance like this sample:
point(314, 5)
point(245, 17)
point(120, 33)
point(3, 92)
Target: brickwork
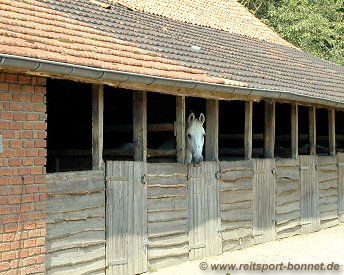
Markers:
point(22, 173)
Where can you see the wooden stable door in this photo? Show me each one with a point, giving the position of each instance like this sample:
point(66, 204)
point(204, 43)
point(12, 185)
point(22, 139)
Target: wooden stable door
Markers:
point(126, 218)
point(310, 221)
point(264, 200)
point(203, 211)
point(341, 187)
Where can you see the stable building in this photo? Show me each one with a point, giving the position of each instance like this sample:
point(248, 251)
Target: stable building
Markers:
point(94, 98)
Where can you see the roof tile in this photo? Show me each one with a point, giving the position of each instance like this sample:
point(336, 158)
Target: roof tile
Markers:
point(222, 43)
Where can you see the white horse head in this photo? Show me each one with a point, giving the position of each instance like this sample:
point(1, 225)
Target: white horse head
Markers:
point(194, 139)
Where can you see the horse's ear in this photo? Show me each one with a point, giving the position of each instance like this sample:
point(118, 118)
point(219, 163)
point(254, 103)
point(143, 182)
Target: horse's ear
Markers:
point(201, 118)
point(191, 118)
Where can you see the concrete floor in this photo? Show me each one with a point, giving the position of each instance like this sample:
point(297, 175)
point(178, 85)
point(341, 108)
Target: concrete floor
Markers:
point(323, 249)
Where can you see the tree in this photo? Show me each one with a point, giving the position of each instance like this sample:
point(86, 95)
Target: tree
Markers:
point(316, 26)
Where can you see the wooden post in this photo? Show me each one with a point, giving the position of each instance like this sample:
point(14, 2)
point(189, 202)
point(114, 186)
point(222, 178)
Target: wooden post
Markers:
point(212, 130)
point(269, 130)
point(332, 131)
point(97, 125)
point(140, 125)
point(248, 129)
point(294, 131)
point(312, 131)
point(180, 128)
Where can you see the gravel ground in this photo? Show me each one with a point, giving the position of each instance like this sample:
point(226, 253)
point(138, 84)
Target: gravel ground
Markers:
point(320, 250)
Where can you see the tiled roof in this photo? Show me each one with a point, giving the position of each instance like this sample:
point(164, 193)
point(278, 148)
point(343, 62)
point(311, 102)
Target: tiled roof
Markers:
point(83, 33)
point(226, 15)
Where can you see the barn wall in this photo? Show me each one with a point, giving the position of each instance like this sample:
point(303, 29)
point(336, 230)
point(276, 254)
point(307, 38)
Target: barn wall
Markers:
point(75, 222)
point(288, 197)
point(328, 191)
point(236, 204)
point(22, 180)
point(167, 215)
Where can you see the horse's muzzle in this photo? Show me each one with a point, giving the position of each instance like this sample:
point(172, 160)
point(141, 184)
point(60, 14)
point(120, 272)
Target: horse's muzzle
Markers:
point(197, 160)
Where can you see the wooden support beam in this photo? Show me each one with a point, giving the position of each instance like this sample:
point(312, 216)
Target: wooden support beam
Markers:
point(97, 125)
point(180, 128)
point(294, 131)
point(312, 131)
point(248, 129)
point(212, 130)
point(332, 131)
point(140, 125)
point(269, 130)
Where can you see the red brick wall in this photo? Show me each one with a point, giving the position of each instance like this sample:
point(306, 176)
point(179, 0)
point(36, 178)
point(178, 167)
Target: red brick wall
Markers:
point(22, 180)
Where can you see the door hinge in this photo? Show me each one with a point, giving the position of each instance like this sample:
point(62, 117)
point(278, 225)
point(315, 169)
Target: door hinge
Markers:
point(144, 179)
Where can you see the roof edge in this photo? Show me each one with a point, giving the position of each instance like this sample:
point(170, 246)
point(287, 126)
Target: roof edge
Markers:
point(84, 72)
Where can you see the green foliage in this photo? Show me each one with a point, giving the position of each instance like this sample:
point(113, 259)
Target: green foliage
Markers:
point(316, 26)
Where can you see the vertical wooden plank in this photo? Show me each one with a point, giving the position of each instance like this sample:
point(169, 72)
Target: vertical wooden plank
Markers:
point(117, 210)
point(269, 130)
point(248, 129)
point(312, 131)
point(264, 200)
point(97, 125)
point(294, 131)
point(109, 221)
point(126, 218)
point(196, 212)
point(180, 128)
point(332, 131)
point(212, 206)
point(212, 130)
point(341, 187)
point(140, 125)
point(310, 220)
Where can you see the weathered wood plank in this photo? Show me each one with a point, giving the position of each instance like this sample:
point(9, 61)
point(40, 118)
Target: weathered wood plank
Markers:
point(294, 131)
point(180, 128)
point(264, 200)
point(65, 228)
point(235, 196)
point(236, 166)
point(97, 125)
point(70, 257)
point(248, 129)
point(69, 203)
point(340, 161)
point(75, 182)
point(140, 125)
point(166, 169)
point(166, 181)
point(326, 160)
point(309, 194)
point(269, 129)
point(231, 176)
point(332, 131)
point(212, 130)
point(312, 131)
point(180, 240)
point(287, 162)
point(288, 207)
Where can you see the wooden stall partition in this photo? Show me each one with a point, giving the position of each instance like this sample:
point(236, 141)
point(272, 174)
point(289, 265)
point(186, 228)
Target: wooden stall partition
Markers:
point(264, 200)
point(236, 204)
point(75, 238)
point(340, 186)
point(328, 191)
point(167, 214)
point(310, 221)
point(126, 218)
point(288, 196)
point(203, 211)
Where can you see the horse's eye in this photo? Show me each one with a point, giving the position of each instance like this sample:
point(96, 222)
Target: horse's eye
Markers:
point(189, 136)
